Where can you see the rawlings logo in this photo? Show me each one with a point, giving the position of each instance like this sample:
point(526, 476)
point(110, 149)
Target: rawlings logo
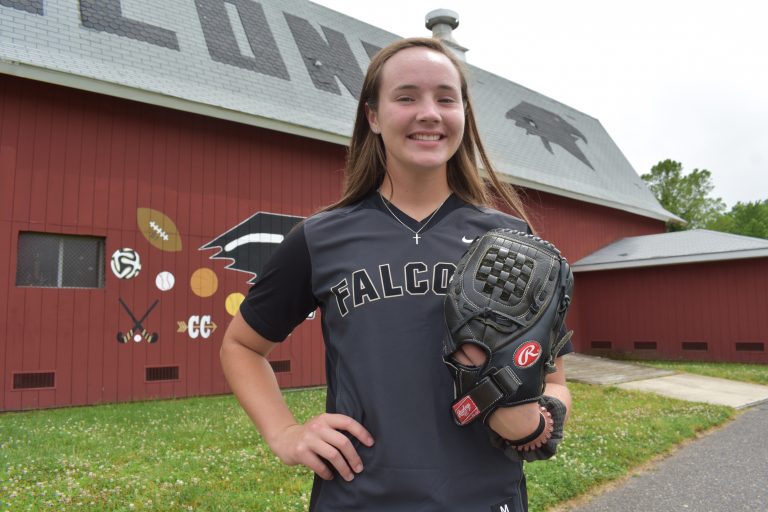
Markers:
point(465, 410)
point(527, 354)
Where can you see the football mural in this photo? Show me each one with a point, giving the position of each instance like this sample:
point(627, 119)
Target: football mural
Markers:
point(158, 229)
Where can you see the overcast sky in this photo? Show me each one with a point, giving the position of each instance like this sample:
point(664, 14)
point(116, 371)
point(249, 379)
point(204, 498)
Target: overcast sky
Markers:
point(679, 79)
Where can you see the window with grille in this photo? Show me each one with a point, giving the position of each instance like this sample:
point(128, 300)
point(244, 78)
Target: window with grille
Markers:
point(49, 260)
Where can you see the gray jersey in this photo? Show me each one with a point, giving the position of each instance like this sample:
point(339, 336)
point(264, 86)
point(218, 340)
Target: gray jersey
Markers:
point(381, 297)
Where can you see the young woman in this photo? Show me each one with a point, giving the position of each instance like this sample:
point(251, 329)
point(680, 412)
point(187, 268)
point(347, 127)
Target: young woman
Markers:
point(377, 263)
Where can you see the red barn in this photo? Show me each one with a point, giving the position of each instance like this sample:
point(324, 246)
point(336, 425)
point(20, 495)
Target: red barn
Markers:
point(152, 158)
point(694, 295)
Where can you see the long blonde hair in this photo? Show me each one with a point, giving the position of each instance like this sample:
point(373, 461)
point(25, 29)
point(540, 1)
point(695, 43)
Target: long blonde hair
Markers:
point(366, 159)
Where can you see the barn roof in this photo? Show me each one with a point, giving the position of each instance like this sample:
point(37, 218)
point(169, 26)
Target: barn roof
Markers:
point(694, 246)
point(295, 67)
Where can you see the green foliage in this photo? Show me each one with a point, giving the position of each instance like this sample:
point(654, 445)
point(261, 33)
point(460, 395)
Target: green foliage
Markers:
point(686, 196)
point(748, 219)
point(204, 454)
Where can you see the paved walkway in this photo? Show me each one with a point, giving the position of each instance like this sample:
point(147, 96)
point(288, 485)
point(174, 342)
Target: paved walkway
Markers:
point(684, 386)
point(726, 470)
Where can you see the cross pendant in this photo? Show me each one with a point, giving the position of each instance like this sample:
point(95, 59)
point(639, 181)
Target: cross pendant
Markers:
point(416, 237)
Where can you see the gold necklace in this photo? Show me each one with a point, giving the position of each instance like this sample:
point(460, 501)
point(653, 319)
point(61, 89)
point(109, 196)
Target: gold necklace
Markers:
point(406, 226)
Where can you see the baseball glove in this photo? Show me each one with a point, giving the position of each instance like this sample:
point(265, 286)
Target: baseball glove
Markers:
point(509, 297)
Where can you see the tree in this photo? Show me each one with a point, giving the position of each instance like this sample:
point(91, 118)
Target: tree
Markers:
point(749, 219)
point(687, 196)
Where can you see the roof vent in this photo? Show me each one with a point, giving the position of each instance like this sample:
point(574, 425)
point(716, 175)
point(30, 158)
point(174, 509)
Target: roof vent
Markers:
point(442, 22)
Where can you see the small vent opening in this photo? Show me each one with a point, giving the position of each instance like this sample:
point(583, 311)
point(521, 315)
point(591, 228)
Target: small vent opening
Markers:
point(162, 373)
point(744, 346)
point(601, 344)
point(34, 380)
point(282, 366)
point(695, 345)
point(645, 345)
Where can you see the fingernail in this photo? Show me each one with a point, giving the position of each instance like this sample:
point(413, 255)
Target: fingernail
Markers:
point(358, 468)
point(349, 477)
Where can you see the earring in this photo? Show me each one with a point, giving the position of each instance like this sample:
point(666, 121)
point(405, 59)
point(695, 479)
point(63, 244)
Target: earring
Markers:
point(375, 130)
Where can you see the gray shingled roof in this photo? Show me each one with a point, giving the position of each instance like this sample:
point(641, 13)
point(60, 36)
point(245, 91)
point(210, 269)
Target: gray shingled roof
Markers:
point(296, 67)
point(696, 245)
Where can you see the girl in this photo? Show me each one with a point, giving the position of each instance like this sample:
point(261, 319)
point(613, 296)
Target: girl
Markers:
point(377, 263)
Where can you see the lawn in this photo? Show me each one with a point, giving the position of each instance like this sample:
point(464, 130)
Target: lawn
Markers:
point(202, 453)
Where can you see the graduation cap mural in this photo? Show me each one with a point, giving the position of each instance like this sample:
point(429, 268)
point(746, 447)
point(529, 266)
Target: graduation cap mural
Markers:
point(250, 243)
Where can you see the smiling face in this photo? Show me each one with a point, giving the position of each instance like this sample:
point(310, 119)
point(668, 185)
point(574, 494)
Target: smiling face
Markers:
point(420, 112)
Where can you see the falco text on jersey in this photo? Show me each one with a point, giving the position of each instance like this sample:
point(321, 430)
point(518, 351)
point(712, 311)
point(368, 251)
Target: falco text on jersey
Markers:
point(417, 279)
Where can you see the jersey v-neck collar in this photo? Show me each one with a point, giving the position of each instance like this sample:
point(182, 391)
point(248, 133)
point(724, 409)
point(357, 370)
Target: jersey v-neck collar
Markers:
point(374, 200)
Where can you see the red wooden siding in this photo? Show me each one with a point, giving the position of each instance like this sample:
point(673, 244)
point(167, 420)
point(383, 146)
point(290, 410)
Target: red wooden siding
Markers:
point(579, 228)
point(72, 162)
point(720, 304)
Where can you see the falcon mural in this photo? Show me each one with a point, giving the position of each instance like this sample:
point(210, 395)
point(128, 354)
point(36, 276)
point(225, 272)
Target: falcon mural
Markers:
point(550, 128)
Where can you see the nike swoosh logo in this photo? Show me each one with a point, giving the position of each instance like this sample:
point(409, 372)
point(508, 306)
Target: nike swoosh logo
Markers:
point(467, 240)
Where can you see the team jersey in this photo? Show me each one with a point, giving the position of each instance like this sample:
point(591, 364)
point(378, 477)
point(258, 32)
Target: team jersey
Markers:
point(381, 295)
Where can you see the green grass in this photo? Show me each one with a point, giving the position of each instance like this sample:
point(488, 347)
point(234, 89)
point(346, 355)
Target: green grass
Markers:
point(203, 454)
point(754, 373)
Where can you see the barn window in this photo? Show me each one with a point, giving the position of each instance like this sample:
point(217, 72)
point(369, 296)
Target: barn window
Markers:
point(695, 345)
point(600, 344)
point(645, 345)
point(48, 260)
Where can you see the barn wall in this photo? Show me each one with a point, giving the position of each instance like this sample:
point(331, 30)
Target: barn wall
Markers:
point(73, 162)
point(579, 228)
point(77, 163)
point(705, 311)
